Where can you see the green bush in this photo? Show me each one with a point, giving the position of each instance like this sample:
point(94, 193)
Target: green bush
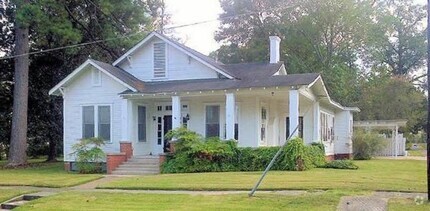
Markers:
point(316, 153)
point(194, 154)
point(89, 155)
point(341, 164)
point(366, 144)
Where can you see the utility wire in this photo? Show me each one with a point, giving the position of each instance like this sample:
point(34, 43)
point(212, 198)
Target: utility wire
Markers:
point(137, 33)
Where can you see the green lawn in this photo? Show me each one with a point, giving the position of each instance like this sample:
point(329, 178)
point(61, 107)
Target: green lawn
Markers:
point(407, 204)
point(138, 201)
point(43, 175)
point(418, 153)
point(388, 175)
point(7, 193)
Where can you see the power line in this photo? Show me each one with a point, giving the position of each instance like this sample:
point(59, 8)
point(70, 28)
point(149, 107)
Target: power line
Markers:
point(137, 33)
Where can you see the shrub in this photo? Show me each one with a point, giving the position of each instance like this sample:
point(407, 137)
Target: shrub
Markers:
point(341, 164)
point(89, 155)
point(296, 156)
point(366, 144)
point(194, 154)
point(316, 154)
point(256, 159)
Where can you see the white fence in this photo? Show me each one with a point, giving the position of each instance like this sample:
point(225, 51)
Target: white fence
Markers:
point(394, 146)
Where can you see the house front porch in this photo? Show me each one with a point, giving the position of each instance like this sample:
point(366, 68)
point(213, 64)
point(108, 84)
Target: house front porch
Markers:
point(253, 116)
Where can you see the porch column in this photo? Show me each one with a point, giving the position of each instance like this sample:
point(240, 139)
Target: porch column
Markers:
point(230, 107)
point(176, 112)
point(294, 111)
point(317, 122)
point(125, 119)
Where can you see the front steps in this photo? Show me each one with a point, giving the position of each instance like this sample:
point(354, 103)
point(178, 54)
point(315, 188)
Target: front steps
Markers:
point(139, 165)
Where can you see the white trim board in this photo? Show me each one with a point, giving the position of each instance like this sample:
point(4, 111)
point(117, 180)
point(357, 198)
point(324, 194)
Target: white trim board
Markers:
point(82, 67)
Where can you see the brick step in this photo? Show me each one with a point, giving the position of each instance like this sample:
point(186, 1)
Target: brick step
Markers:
point(134, 172)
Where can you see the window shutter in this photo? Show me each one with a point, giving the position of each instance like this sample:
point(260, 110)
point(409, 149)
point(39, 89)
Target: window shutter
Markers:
point(159, 60)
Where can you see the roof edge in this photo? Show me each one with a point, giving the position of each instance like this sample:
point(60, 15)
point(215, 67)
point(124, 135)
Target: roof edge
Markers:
point(79, 69)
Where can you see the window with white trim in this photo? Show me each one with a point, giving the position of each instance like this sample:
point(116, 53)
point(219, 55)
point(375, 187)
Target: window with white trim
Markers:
point(96, 77)
point(88, 122)
point(96, 121)
point(141, 123)
point(159, 60)
point(212, 120)
point(327, 124)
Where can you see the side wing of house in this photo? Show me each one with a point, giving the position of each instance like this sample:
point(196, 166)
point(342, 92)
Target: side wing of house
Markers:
point(157, 58)
point(92, 108)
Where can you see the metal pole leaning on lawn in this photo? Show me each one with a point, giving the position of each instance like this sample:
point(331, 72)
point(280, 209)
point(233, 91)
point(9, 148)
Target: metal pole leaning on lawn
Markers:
point(271, 163)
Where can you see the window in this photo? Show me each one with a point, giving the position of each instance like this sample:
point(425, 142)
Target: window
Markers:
point(141, 123)
point(212, 120)
point(96, 77)
point(87, 121)
point(159, 60)
point(236, 124)
point(104, 122)
point(326, 130)
point(96, 121)
point(287, 125)
point(263, 124)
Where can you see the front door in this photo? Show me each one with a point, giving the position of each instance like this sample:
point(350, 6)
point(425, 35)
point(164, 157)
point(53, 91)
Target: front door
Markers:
point(167, 126)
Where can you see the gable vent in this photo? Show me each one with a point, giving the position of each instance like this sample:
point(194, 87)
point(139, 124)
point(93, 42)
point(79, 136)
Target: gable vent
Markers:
point(159, 60)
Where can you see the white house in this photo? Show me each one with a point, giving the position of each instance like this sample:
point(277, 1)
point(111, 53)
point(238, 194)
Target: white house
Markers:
point(161, 84)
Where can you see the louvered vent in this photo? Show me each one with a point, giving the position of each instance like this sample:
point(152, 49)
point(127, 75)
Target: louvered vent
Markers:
point(159, 60)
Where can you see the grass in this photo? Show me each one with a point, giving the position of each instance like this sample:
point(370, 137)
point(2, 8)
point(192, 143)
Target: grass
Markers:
point(41, 174)
point(407, 204)
point(418, 153)
point(7, 193)
point(140, 201)
point(387, 175)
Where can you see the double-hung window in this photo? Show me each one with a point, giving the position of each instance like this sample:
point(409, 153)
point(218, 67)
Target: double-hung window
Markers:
point(212, 120)
point(141, 123)
point(96, 122)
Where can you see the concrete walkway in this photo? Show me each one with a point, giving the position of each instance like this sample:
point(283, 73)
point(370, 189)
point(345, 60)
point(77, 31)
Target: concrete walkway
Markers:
point(378, 201)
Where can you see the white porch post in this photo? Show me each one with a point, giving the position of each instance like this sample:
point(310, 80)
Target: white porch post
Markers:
point(125, 119)
point(230, 106)
point(294, 111)
point(317, 122)
point(176, 112)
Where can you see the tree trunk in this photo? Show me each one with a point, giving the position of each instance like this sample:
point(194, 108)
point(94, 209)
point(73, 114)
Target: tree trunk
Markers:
point(18, 142)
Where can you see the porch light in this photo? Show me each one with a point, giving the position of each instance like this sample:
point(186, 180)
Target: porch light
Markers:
point(187, 117)
point(154, 118)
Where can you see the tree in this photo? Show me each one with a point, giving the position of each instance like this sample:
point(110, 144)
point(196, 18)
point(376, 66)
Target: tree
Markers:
point(59, 23)
point(384, 96)
point(398, 39)
point(317, 36)
point(18, 143)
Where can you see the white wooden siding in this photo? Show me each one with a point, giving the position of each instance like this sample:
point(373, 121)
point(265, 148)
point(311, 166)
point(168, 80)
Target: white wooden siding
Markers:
point(343, 133)
point(80, 93)
point(179, 65)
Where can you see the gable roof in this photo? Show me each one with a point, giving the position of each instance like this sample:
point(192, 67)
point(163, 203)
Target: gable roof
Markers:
point(190, 52)
point(119, 75)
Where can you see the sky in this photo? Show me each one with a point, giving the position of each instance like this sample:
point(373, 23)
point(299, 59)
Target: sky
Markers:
point(200, 37)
